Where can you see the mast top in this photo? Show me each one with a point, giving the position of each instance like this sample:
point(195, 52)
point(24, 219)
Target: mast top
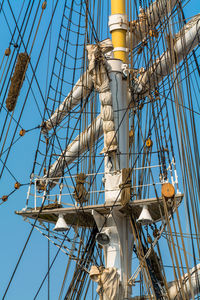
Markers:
point(118, 28)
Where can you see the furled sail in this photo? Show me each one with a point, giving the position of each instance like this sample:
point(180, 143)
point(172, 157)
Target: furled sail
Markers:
point(148, 20)
point(194, 277)
point(119, 217)
point(81, 144)
point(80, 91)
point(179, 47)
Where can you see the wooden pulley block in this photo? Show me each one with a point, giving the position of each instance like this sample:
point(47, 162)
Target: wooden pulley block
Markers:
point(155, 232)
point(149, 143)
point(170, 203)
point(131, 133)
point(7, 52)
point(17, 185)
point(140, 50)
point(167, 190)
point(4, 198)
point(44, 4)
point(22, 132)
point(149, 239)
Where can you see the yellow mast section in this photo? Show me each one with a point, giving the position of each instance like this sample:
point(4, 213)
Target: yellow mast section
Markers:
point(118, 28)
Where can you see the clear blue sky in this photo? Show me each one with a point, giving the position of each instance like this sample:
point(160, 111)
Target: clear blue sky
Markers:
point(13, 230)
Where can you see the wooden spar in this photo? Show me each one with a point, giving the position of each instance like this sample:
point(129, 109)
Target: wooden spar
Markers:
point(81, 144)
point(149, 18)
point(163, 66)
point(81, 90)
point(152, 16)
point(195, 277)
point(183, 46)
point(185, 41)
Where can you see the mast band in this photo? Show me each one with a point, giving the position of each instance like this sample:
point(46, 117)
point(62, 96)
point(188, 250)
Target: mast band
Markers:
point(117, 21)
point(120, 49)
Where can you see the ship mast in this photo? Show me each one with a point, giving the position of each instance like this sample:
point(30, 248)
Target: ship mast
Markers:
point(116, 218)
point(118, 28)
point(118, 252)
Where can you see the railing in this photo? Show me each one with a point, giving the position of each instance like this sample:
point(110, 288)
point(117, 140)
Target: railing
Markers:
point(64, 191)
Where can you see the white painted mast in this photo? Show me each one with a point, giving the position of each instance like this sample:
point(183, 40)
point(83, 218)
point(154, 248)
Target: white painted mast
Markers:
point(119, 245)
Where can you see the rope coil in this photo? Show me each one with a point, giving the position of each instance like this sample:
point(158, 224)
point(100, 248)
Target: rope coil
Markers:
point(125, 186)
point(80, 193)
point(17, 80)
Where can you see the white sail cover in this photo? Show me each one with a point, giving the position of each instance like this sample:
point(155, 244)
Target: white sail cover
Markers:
point(183, 43)
point(99, 73)
point(80, 144)
point(108, 282)
point(103, 123)
point(148, 20)
point(195, 284)
point(81, 90)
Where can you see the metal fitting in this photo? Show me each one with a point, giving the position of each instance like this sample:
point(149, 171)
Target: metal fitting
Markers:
point(117, 21)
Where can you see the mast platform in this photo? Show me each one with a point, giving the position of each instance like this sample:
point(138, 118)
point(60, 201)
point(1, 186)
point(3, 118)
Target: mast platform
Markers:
point(83, 217)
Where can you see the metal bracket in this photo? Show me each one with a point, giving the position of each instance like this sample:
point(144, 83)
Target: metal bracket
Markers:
point(99, 219)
